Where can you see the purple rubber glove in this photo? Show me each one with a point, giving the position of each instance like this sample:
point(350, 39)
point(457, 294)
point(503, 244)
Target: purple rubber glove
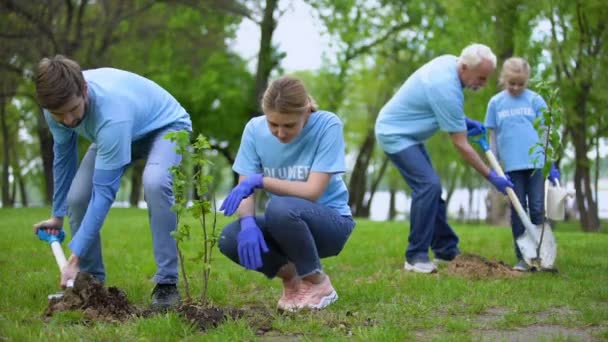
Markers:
point(250, 244)
point(474, 127)
point(554, 175)
point(500, 183)
point(243, 190)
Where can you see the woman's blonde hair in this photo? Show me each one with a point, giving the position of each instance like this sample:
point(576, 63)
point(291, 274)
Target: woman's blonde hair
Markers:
point(512, 67)
point(57, 80)
point(288, 95)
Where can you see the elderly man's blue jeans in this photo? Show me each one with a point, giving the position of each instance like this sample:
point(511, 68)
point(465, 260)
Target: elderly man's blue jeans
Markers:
point(530, 190)
point(428, 212)
point(296, 230)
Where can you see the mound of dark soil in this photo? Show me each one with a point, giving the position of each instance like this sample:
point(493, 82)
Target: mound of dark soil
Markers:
point(207, 317)
point(476, 266)
point(96, 301)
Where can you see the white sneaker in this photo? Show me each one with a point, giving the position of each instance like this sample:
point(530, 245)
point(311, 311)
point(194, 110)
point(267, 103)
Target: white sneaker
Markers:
point(421, 267)
point(521, 266)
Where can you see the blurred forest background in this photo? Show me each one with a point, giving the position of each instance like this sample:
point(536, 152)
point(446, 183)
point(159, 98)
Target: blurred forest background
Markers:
point(186, 46)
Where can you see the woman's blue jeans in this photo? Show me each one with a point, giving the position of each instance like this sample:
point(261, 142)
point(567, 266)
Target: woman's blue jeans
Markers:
point(296, 230)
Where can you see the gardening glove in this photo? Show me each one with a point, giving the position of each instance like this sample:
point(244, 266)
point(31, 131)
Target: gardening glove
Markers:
point(243, 190)
point(250, 244)
point(554, 175)
point(474, 127)
point(500, 183)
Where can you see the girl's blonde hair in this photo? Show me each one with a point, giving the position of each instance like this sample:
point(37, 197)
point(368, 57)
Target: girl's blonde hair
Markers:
point(287, 95)
point(512, 67)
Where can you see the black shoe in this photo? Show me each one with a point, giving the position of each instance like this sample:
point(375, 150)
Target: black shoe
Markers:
point(165, 296)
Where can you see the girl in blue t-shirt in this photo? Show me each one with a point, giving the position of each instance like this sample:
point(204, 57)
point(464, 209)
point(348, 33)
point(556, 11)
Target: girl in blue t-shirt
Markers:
point(510, 118)
point(296, 153)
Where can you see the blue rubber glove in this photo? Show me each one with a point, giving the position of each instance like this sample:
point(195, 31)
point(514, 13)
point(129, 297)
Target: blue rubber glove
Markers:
point(250, 244)
point(474, 127)
point(554, 175)
point(243, 190)
point(500, 183)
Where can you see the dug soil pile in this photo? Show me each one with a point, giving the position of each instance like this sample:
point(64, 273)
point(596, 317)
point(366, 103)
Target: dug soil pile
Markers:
point(97, 302)
point(476, 266)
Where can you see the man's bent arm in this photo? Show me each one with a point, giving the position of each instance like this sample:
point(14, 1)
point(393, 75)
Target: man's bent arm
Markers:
point(105, 187)
point(460, 141)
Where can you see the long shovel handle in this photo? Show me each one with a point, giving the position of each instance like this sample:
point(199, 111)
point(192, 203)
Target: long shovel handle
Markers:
point(512, 196)
point(61, 260)
point(481, 141)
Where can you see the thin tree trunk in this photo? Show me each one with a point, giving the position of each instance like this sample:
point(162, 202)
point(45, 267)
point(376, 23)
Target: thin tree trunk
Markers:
point(265, 56)
point(358, 179)
point(5, 154)
point(392, 211)
point(372, 191)
point(45, 140)
point(136, 182)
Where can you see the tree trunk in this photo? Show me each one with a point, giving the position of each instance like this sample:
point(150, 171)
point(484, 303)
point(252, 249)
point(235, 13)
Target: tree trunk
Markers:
point(587, 206)
point(136, 182)
point(265, 55)
point(497, 208)
point(358, 179)
point(22, 191)
point(45, 140)
point(366, 210)
point(392, 211)
point(5, 154)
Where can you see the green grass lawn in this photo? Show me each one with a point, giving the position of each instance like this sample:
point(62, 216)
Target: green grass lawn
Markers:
point(378, 299)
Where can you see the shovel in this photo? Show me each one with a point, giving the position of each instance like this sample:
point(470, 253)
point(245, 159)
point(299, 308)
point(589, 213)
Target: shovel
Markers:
point(55, 242)
point(537, 244)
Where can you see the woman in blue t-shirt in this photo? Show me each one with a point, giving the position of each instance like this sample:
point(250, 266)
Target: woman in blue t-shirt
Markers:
point(296, 153)
point(510, 118)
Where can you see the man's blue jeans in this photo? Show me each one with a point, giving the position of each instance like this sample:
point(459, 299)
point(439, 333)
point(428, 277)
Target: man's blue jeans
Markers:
point(295, 230)
point(157, 182)
point(530, 190)
point(428, 212)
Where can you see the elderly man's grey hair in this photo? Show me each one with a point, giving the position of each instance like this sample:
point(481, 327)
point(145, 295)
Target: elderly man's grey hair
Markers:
point(473, 54)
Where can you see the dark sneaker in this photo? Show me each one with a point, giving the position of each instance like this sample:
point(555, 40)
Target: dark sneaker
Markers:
point(165, 296)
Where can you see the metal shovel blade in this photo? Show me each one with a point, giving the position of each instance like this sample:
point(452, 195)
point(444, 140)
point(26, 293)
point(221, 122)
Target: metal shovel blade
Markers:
point(529, 242)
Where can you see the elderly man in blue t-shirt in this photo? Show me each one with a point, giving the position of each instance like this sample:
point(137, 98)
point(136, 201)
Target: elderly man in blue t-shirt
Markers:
point(125, 116)
point(432, 99)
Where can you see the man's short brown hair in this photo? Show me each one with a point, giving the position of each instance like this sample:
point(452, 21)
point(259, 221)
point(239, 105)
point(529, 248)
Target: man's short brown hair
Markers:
point(57, 80)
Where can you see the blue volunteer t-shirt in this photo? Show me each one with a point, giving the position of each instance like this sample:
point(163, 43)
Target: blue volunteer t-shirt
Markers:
point(431, 99)
point(512, 118)
point(123, 107)
point(318, 148)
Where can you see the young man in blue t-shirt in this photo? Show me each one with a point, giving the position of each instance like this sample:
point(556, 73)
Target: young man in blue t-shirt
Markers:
point(125, 116)
point(432, 99)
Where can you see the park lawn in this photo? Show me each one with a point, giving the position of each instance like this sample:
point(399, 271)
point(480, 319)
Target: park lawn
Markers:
point(378, 299)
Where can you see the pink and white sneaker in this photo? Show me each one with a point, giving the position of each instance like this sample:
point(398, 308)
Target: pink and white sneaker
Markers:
point(287, 302)
point(315, 296)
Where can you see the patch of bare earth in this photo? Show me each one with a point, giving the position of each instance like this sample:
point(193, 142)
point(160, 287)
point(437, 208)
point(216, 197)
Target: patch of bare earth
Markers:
point(99, 303)
point(96, 301)
point(207, 317)
point(476, 266)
